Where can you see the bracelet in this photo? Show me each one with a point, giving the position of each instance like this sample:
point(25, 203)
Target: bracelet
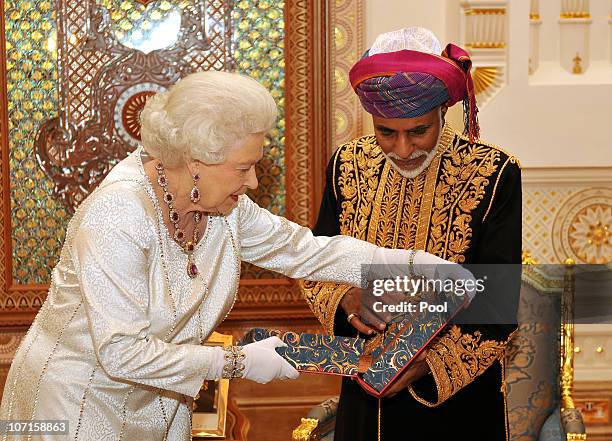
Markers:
point(234, 366)
point(411, 256)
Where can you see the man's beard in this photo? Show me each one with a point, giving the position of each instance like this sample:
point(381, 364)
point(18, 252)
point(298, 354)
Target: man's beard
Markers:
point(429, 156)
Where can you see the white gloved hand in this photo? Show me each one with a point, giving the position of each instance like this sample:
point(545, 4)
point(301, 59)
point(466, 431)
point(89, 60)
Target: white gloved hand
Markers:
point(435, 268)
point(263, 364)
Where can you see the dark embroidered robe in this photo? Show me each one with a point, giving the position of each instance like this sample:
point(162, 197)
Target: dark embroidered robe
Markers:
point(465, 207)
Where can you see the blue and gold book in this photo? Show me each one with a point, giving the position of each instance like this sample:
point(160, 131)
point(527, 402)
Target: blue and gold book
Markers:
point(377, 369)
point(405, 339)
point(315, 353)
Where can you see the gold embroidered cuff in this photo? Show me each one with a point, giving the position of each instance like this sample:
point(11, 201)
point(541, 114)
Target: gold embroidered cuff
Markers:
point(457, 359)
point(323, 299)
point(234, 366)
point(335, 297)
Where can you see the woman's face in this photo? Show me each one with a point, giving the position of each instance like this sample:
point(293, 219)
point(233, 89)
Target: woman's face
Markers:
point(221, 184)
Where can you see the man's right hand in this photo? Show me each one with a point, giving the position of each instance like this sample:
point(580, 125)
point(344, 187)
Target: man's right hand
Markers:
point(351, 304)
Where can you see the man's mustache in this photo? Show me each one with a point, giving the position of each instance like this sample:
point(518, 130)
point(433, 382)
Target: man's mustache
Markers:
point(414, 155)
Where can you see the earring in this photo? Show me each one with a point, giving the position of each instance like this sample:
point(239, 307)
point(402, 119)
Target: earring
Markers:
point(194, 195)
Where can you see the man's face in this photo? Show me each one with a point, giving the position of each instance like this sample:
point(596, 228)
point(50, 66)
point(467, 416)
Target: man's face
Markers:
point(409, 142)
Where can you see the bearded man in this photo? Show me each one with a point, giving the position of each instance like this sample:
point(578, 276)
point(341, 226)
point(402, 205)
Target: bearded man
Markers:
point(419, 184)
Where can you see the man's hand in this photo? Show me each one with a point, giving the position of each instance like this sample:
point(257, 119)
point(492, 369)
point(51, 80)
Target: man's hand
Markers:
point(351, 304)
point(417, 369)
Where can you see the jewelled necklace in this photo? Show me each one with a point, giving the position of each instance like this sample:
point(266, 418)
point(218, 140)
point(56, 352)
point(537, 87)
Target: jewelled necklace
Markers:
point(179, 235)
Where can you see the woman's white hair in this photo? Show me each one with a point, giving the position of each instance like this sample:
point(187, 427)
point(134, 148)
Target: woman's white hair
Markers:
point(204, 115)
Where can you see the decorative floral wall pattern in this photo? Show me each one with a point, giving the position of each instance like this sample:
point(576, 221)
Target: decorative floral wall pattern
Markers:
point(39, 216)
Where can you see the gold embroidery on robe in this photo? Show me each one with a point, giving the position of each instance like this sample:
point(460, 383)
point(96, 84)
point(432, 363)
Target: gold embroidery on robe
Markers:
point(461, 188)
point(323, 299)
point(360, 163)
point(457, 359)
point(432, 211)
point(510, 160)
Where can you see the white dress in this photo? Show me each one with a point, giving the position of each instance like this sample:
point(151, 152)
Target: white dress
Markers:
point(115, 349)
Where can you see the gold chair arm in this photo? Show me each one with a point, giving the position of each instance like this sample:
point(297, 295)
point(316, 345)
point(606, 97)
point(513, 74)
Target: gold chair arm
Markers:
point(570, 416)
point(305, 429)
point(567, 338)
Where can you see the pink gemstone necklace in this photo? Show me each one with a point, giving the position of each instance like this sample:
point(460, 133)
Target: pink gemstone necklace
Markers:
point(179, 235)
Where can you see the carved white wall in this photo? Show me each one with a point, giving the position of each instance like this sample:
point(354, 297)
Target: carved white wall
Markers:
point(593, 352)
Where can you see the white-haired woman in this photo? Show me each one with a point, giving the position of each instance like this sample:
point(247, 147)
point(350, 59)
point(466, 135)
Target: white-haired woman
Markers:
point(151, 265)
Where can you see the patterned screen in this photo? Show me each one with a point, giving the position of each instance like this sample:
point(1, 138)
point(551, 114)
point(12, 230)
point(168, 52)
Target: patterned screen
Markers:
point(39, 216)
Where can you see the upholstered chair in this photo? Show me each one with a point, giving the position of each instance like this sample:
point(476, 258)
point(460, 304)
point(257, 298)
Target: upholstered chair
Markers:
point(539, 359)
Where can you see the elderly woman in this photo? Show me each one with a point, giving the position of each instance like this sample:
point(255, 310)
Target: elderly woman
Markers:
point(151, 265)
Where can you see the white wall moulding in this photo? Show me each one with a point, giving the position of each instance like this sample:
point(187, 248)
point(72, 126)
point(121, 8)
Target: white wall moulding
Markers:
point(485, 28)
point(534, 9)
point(575, 24)
point(589, 363)
point(487, 81)
point(484, 32)
point(595, 176)
point(574, 43)
point(575, 55)
point(571, 9)
point(552, 118)
point(535, 23)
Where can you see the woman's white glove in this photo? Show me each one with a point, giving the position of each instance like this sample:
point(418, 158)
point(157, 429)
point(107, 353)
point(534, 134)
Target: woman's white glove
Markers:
point(256, 361)
point(263, 364)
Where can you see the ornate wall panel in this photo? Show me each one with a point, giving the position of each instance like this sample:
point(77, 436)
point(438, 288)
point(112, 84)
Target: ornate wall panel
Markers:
point(55, 157)
point(568, 214)
point(83, 131)
point(111, 56)
point(299, 113)
point(38, 216)
point(575, 9)
point(347, 23)
point(259, 51)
